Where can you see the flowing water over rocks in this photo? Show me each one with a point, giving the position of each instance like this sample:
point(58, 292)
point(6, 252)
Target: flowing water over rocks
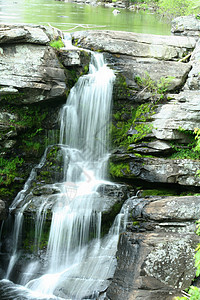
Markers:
point(76, 263)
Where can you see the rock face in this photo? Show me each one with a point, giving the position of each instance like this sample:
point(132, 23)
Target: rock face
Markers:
point(155, 254)
point(156, 108)
point(34, 83)
point(151, 65)
point(28, 65)
point(153, 141)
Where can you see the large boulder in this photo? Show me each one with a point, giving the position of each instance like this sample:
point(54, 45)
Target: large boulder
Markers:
point(186, 25)
point(154, 169)
point(135, 44)
point(156, 254)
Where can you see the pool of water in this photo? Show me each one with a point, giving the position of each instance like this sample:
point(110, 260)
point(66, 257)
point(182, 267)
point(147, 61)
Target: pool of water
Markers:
point(72, 16)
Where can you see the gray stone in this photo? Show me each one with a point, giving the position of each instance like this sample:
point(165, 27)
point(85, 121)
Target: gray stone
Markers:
point(186, 25)
point(153, 147)
point(156, 257)
point(133, 67)
point(193, 81)
point(33, 68)
point(24, 33)
point(139, 45)
point(8, 91)
point(181, 112)
point(155, 169)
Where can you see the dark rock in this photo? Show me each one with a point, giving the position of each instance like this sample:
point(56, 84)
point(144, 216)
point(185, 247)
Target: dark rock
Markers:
point(159, 262)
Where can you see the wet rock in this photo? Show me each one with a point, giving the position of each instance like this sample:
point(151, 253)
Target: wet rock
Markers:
point(3, 211)
point(156, 257)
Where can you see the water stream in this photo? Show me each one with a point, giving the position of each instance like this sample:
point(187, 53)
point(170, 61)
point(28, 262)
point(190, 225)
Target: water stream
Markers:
point(78, 263)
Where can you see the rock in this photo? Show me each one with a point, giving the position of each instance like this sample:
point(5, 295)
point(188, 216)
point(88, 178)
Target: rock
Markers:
point(3, 211)
point(181, 112)
point(186, 25)
point(153, 147)
point(133, 67)
point(8, 91)
point(75, 57)
point(134, 56)
point(155, 169)
point(156, 257)
point(137, 45)
point(193, 81)
point(32, 69)
point(23, 33)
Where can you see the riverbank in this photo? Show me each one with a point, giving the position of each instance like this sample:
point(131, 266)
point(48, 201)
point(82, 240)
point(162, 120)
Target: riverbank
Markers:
point(163, 8)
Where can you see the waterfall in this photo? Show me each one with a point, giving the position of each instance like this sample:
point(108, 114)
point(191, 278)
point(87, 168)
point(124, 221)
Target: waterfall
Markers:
point(78, 262)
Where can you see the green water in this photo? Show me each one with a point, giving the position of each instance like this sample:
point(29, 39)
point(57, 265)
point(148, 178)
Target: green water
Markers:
point(67, 15)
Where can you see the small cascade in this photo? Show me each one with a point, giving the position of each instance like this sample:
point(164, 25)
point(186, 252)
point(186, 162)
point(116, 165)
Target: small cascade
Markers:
point(78, 262)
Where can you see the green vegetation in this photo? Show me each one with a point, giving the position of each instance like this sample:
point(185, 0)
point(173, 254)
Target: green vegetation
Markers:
point(8, 169)
point(119, 170)
point(139, 117)
point(171, 7)
point(137, 123)
point(179, 7)
point(158, 87)
point(191, 150)
point(57, 44)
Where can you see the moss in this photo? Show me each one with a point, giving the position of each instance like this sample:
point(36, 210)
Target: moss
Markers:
point(138, 124)
point(158, 192)
point(119, 170)
point(29, 244)
point(75, 42)
point(12, 98)
point(121, 90)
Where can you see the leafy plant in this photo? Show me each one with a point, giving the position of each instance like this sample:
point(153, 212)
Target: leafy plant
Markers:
point(193, 293)
point(178, 7)
point(57, 44)
point(156, 87)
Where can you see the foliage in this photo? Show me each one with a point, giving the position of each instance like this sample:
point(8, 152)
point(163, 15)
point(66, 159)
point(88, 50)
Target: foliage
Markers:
point(118, 170)
point(192, 294)
point(155, 87)
point(8, 169)
point(178, 7)
point(197, 138)
point(57, 44)
point(137, 123)
point(189, 151)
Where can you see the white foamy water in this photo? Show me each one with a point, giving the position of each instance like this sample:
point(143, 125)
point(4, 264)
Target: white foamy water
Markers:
point(78, 263)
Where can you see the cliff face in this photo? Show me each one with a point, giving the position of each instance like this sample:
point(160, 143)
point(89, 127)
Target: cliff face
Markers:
point(34, 83)
point(156, 105)
point(155, 112)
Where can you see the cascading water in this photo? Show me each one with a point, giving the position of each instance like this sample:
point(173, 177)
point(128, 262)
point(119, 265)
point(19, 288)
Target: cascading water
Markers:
point(77, 262)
